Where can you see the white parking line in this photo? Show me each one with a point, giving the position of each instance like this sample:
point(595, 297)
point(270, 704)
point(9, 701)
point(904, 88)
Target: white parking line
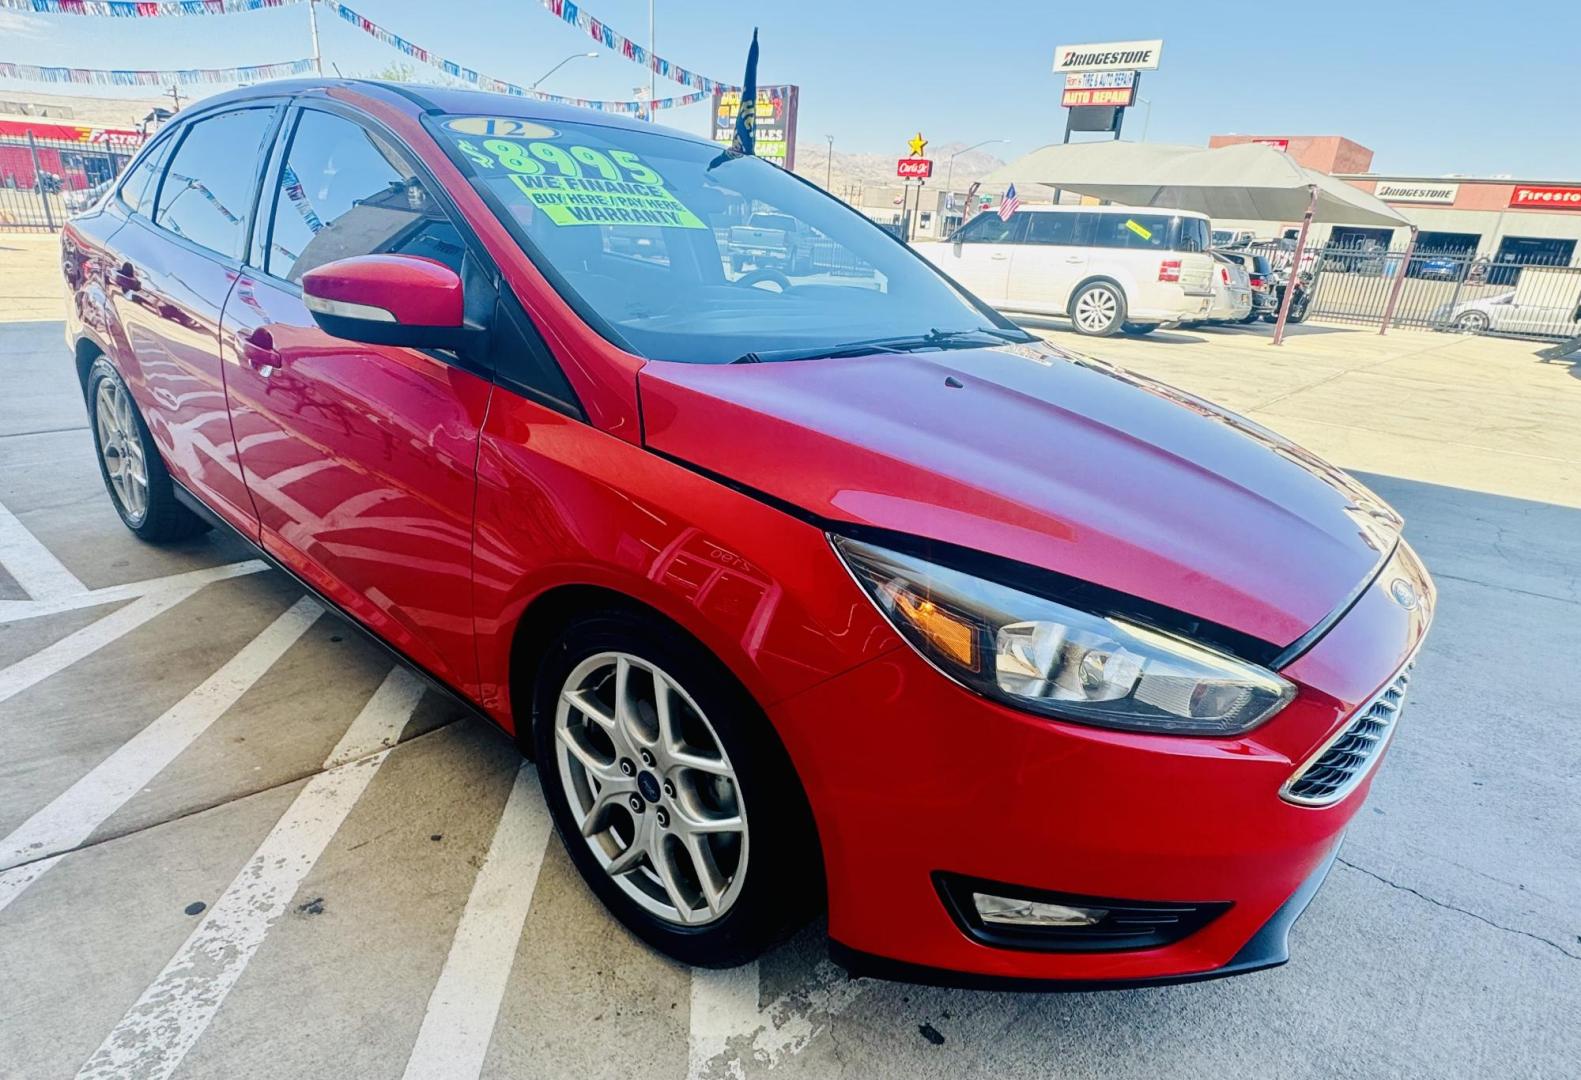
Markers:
point(18, 878)
point(29, 562)
point(72, 816)
point(459, 1023)
point(17, 610)
point(725, 1008)
point(157, 1032)
point(90, 639)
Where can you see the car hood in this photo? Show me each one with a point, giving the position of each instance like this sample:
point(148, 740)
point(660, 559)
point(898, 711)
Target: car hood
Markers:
point(1044, 457)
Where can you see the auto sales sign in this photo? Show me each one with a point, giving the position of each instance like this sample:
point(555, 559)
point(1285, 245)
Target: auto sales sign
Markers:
point(1109, 56)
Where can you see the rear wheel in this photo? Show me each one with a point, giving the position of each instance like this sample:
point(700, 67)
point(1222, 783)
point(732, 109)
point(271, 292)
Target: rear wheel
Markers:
point(1098, 309)
point(1472, 322)
point(134, 473)
point(671, 792)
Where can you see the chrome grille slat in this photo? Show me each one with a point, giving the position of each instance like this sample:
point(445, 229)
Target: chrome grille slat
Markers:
point(1344, 761)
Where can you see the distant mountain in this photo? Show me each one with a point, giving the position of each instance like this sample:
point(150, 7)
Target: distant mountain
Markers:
point(871, 170)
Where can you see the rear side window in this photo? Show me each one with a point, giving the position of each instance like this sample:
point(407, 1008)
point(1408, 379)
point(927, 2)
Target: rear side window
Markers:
point(208, 188)
point(345, 191)
point(1056, 228)
point(989, 228)
point(1139, 231)
point(137, 190)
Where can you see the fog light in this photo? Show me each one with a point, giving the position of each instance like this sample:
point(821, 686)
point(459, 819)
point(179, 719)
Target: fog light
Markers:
point(1012, 911)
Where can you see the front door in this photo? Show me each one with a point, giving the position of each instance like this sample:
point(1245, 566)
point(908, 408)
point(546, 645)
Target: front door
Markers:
point(360, 458)
point(978, 256)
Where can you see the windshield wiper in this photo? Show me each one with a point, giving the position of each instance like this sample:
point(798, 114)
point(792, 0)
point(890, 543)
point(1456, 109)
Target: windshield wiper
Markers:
point(933, 339)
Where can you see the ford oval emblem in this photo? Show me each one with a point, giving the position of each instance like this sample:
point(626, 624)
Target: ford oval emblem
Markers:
point(1404, 593)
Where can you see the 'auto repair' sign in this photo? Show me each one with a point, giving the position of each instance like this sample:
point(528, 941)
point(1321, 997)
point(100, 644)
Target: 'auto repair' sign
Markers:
point(1546, 198)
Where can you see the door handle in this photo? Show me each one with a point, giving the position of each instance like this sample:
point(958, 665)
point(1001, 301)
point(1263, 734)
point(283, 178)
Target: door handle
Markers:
point(125, 278)
point(257, 348)
point(1073, 258)
point(999, 258)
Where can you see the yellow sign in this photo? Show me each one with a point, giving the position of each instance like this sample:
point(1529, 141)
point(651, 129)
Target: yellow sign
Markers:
point(1141, 230)
point(917, 144)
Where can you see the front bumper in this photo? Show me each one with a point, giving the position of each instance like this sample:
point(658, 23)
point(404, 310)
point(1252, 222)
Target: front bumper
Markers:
point(910, 775)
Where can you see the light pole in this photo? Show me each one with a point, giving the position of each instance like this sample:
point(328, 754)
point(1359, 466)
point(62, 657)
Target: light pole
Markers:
point(949, 174)
point(561, 64)
point(828, 165)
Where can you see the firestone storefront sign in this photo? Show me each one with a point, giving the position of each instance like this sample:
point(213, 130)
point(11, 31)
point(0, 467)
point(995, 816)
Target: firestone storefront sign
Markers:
point(1109, 56)
point(1391, 191)
point(1545, 198)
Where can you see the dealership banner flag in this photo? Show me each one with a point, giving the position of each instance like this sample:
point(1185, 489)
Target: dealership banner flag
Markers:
point(600, 31)
point(745, 139)
point(152, 77)
point(499, 86)
point(136, 9)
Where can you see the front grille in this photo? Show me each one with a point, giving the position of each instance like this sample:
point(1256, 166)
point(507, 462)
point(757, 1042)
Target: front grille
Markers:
point(1335, 770)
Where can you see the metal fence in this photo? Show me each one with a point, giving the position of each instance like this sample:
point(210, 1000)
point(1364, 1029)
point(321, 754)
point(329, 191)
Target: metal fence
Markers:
point(45, 181)
point(1453, 290)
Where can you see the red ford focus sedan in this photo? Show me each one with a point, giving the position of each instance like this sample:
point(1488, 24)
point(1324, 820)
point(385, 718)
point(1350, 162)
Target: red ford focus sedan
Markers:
point(807, 579)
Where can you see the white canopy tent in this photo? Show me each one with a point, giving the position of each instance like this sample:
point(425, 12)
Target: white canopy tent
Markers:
point(1243, 181)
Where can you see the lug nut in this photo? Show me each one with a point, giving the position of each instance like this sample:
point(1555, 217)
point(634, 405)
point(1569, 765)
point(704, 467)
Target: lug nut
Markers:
point(669, 788)
point(635, 803)
point(628, 767)
point(663, 818)
point(647, 758)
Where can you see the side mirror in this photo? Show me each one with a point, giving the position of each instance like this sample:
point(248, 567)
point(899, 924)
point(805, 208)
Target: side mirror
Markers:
point(389, 300)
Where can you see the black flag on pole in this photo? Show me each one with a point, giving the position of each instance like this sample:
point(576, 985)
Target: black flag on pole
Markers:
point(745, 139)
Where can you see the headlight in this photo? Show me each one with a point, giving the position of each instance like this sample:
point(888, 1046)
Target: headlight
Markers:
point(1044, 657)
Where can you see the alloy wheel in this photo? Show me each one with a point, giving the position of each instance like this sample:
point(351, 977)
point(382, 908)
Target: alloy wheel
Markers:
point(651, 788)
point(1096, 310)
point(121, 447)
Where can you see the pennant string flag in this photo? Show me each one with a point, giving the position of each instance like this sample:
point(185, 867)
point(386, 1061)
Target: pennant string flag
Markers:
point(153, 77)
point(142, 9)
point(500, 86)
point(600, 31)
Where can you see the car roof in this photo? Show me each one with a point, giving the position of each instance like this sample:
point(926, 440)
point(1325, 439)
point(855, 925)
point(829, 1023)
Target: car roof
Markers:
point(1050, 208)
point(423, 98)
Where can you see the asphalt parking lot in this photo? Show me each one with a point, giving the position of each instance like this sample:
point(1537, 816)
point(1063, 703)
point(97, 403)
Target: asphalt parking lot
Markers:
point(235, 842)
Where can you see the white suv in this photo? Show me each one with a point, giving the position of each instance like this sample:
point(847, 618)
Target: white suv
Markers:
point(1106, 268)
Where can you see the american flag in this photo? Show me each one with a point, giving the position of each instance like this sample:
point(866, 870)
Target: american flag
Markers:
point(1009, 204)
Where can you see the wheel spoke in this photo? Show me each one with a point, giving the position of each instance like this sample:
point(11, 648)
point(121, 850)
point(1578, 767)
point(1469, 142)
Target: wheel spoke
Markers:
point(707, 872)
point(583, 703)
point(672, 888)
point(596, 820)
point(627, 860)
point(606, 772)
point(703, 826)
point(686, 759)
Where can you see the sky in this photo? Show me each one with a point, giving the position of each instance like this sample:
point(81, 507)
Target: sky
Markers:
point(1451, 87)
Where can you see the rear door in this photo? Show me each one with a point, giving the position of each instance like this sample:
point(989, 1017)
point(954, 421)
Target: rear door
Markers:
point(171, 272)
point(979, 253)
point(1051, 259)
point(360, 458)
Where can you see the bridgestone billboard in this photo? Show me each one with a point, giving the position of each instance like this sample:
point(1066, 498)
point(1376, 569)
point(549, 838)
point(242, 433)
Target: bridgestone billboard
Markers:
point(1109, 56)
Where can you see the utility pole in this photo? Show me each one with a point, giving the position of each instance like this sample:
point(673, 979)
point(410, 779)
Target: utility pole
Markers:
point(312, 22)
point(828, 168)
point(175, 97)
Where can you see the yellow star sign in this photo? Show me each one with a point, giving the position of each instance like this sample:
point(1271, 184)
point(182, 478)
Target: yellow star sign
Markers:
point(917, 144)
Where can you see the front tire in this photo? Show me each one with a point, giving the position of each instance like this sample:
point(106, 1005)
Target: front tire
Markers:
point(670, 790)
point(134, 474)
point(1098, 309)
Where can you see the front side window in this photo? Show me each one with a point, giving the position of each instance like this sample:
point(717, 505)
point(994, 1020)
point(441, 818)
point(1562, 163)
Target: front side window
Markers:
point(345, 191)
point(208, 188)
point(675, 251)
point(989, 228)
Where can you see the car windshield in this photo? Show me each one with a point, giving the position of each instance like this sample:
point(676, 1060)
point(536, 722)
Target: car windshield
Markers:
point(659, 242)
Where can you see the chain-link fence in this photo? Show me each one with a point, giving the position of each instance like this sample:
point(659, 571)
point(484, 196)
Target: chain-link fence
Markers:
point(1453, 289)
point(45, 181)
